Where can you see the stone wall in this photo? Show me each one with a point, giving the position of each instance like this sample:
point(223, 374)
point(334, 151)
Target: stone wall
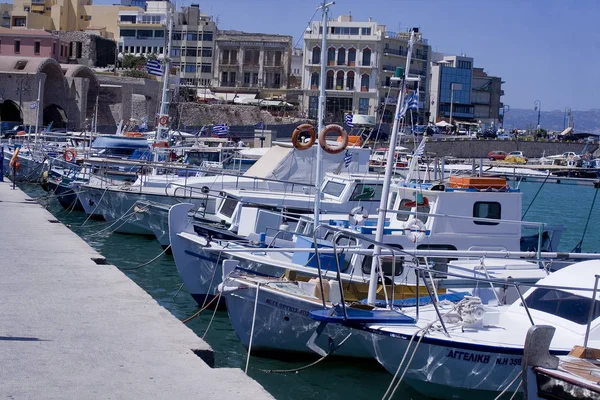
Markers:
point(96, 51)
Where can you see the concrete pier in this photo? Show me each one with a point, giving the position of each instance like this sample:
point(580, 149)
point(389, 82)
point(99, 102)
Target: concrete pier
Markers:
point(72, 327)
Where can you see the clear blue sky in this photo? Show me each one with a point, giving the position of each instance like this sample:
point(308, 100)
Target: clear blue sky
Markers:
point(547, 50)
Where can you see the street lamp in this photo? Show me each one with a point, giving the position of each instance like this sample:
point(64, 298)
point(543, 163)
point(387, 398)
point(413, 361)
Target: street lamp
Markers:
point(567, 118)
point(537, 106)
point(453, 87)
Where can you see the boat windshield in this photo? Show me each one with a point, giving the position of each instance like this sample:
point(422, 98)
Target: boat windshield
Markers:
point(564, 305)
point(334, 188)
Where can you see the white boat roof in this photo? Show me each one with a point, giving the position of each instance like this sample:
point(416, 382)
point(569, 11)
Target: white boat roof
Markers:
point(580, 275)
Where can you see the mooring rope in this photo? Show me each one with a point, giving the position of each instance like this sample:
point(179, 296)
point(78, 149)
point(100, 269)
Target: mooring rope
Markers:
point(148, 262)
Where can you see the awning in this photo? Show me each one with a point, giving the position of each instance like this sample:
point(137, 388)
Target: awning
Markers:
point(240, 98)
point(443, 124)
point(566, 131)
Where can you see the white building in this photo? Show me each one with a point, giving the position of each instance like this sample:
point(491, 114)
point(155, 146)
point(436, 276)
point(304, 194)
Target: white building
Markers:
point(143, 32)
point(362, 57)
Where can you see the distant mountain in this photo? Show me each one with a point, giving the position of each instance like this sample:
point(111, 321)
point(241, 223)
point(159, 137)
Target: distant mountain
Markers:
point(584, 121)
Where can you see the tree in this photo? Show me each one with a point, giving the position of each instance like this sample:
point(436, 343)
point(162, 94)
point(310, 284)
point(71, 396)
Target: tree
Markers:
point(133, 62)
point(136, 73)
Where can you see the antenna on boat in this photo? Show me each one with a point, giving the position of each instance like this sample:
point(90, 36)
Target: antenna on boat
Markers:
point(401, 75)
point(324, 7)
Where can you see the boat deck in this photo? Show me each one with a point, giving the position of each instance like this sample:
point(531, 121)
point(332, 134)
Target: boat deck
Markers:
point(74, 327)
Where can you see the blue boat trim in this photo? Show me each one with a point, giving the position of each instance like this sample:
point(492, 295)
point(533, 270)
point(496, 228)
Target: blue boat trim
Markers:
point(358, 316)
point(423, 300)
point(200, 256)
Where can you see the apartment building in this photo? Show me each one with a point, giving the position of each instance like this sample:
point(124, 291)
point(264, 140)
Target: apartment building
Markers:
point(486, 92)
point(5, 13)
point(143, 32)
point(192, 47)
point(252, 62)
point(393, 55)
point(33, 43)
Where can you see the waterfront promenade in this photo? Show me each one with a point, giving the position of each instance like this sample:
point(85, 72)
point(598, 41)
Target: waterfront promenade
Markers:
point(72, 327)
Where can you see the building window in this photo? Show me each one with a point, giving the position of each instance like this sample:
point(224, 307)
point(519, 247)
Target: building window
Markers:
point(316, 55)
point(144, 33)
point(350, 80)
point(191, 52)
point(207, 36)
point(331, 56)
point(127, 33)
point(246, 78)
point(251, 56)
point(79, 50)
point(363, 106)
point(329, 80)
point(365, 31)
point(192, 37)
point(224, 76)
point(276, 80)
point(366, 57)
point(364, 83)
point(341, 59)
point(255, 78)
point(159, 33)
point(206, 67)
point(313, 106)
point(19, 21)
point(314, 81)
point(352, 57)
point(207, 52)
point(26, 9)
point(176, 35)
point(160, 50)
point(175, 52)
point(278, 58)
point(487, 209)
point(17, 46)
point(339, 80)
point(128, 19)
point(36, 48)
point(190, 68)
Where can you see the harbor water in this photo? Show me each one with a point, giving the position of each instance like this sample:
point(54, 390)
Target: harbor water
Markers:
point(568, 205)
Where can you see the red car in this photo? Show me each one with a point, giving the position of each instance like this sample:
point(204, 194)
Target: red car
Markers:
point(497, 155)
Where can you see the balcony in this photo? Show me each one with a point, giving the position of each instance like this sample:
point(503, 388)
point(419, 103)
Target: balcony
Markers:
point(227, 84)
point(366, 64)
point(395, 52)
point(227, 63)
point(42, 2)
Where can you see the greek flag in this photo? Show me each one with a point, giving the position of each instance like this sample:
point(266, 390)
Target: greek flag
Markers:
point(220, 129)
point(347, 158)
point(154, 68)
point(421, 149)
point(349, 120)
point(410, 103)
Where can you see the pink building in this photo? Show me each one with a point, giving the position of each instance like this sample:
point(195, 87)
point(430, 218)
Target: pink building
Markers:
point(32, 43)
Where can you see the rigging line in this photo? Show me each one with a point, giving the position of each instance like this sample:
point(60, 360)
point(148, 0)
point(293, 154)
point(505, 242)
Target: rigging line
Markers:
point(508, 386)
point(191, 317)
point(148, 262)
point(587, 222)
point(97, 204)
point(301, 37)
point(536, 194)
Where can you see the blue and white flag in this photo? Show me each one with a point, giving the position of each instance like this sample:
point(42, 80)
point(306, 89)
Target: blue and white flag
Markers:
point(349, 120)
point(220, 129)
point(260, 125)
point(410, 103)
point(421, 149)
point(347, 158)
point(154, 68)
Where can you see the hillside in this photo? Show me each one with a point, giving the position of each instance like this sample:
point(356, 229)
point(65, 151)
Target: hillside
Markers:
point(585, 121)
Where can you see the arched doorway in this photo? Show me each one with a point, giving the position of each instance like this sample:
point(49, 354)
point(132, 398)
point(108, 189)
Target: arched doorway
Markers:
point(10, 111)
point(56, 115)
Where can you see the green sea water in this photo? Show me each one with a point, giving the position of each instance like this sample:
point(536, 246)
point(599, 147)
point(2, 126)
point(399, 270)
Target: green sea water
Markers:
point(333, 379)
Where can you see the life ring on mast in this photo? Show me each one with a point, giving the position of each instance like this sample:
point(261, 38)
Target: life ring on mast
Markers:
point(164, 120)
point(299, 135)
point(14, 160)
point(358, 215)
point(69, 155)
point(323, 139)
point(415, 230)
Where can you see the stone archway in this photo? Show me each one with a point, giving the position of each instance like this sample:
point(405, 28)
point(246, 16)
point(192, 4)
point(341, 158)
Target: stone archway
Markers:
point(55, 115)
point(10, 111)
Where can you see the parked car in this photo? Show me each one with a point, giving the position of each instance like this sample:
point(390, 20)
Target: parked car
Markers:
point(517, 154)
point(497, 155)
point(9, 128)
point(12, 132)
point(487, 134)
point(462, 131)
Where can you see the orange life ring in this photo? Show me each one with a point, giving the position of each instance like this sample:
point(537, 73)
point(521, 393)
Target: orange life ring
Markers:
point(164, 120)
point(323, 139)
point(299, 134)
point(70, 155)
point(14, 160)
point(134, 134)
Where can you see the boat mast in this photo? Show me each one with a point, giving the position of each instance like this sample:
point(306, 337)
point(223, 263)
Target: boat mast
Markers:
point(321, 110)
point(388, 178)
point(164, 103)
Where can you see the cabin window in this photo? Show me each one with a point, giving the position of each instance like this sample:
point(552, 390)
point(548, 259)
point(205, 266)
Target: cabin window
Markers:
point(387, 263)
point(487, 209)
point(228, 206)
point(404, 206)
point(343, 241)
point(334, 188)
point(440, 263)
point(366, 191)
point(563, 304)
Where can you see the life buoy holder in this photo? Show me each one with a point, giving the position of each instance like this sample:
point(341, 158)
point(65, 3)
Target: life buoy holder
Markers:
point(323, 139)
point(164, 120)
point(415, 230)
point(14, 160)
point(299, 134)
point(358, 215)
point(70, 155)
